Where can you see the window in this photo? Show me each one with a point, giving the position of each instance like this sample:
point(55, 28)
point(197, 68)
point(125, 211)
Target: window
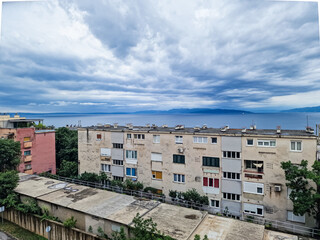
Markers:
point(179, 139)
point(214, 140)
point(138, 136)
point(99, 137)
point(27, 167)
point(105, 152)
point(211, 182)
point(253, 209)
point(156, 157)
point(157, 175)
point(118, 162)
point(231, 175)
point(231, 196)
point(296, 146)
point(116, 178)
point(128, 135)
point(131, 154)
point(27, 153)
point(215, 203)
point(200, 140)
point(26, 139)
point(254, 188)
point(117, 145)
point(105, 167)
point(253, 166)
point(156, 138)
point(266, 143)
point(228, 154)
point(210, 161)
point(131, 172)
point(249, 142)
point(295, 218)
point(178, 159)
point(178, 178)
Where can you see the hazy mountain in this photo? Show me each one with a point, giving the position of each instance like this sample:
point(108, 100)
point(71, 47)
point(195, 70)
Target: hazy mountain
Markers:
point(306, 109)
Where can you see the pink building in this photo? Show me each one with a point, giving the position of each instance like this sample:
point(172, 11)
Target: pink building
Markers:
point(37, 147)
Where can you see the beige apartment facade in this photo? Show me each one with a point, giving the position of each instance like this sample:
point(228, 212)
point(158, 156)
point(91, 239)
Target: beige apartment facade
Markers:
point(238, 169)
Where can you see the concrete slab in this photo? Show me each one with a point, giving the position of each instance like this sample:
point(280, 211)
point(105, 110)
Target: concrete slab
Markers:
point(221, 228)
point(272, 235)
point(174, 221)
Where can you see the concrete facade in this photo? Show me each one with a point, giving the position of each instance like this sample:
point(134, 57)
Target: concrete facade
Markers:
point(238, 169)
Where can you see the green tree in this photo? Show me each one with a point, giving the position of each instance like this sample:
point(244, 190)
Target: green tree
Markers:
point(305, 187)
point(68, 169)
point(10, 154)
point(197, 237)
point(66, 145)
point(119, 235)
point(8, 182)
point(146, 229)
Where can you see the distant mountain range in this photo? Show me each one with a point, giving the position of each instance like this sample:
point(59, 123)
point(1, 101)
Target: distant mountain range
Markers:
point(195, 110)
point(306, 109)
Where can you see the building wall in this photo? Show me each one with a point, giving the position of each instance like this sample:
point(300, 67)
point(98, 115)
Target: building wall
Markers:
point(275, 203)
point(38, 152)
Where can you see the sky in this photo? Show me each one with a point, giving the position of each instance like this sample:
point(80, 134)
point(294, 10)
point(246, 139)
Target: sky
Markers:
point(133, 55)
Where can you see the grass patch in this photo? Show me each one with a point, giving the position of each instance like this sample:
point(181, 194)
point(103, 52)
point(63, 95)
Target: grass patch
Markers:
point(18, 232)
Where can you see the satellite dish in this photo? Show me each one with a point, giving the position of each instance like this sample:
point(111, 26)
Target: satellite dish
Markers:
point(48, 229)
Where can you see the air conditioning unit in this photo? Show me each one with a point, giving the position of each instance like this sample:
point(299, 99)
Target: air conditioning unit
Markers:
point(180, 150)
point(277, 188)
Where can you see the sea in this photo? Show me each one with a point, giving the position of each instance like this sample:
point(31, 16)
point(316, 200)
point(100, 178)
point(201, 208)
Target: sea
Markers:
point(261, 120)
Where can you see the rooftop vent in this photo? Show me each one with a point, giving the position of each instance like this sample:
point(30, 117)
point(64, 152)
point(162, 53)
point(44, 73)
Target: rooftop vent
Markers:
point(115, 125)
point(148, 125)
point(179, 127)
point(129, 126)
point(244, 130)
point(310, 130)
point(224, 129)
point(154, 126)
point(196, 129)
point(165, 126)
point(278, 129)
point(107, 125)
point(253, 127)
point(204, 126)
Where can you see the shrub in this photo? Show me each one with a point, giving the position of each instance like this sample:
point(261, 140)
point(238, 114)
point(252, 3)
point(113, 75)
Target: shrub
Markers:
point(70, 222)
point(151, 189)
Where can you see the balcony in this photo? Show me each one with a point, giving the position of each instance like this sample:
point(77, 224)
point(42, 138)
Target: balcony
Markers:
point(27, 144)
point(28, 158)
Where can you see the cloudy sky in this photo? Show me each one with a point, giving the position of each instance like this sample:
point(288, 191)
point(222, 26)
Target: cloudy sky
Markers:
point(131, 55)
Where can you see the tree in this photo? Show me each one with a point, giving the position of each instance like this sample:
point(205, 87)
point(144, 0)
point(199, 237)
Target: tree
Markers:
point(68, 169)
point(305, 187)
point(146, 229)
point(8, 182)
point(66, 145)
point(10, 154)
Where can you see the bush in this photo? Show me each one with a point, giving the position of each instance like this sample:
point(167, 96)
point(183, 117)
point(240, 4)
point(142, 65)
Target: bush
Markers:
point(46, 215)
point(151, 189)
point(70, 222)
point(191, 196)
point(130, 185)
point(30, 206)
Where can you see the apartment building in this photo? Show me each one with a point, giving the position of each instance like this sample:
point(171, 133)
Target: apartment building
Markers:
point(238, 169)
point(37, 146)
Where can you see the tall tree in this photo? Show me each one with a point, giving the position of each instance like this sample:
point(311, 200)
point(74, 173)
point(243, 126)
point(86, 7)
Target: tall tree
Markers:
point(66, 145)
point(8, 182)
point(10, 154)
point(304, 183)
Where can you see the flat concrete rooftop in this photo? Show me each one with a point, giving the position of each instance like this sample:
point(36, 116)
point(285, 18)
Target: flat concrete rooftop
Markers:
point(213, 131)
point(174, 221)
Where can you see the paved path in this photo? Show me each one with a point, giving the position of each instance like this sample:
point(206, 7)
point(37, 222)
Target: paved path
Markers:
point(4, 236)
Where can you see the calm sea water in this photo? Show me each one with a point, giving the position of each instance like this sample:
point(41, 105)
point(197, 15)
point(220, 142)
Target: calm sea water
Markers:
point(263, 120)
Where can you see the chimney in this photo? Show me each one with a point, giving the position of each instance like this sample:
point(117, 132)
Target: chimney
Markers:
point(204, 126)
point(310, 130)
point(253, 127)
point(115, 125)
point(244, 130)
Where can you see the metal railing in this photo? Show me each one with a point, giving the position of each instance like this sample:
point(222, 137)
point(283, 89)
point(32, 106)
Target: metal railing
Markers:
point(269, 223)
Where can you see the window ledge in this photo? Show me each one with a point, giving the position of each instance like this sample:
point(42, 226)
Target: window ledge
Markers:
point(179, 182)
point(155, 179)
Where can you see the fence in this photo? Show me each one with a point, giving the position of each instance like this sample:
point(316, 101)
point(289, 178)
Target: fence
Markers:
point(274, 224)
point(38, 226)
